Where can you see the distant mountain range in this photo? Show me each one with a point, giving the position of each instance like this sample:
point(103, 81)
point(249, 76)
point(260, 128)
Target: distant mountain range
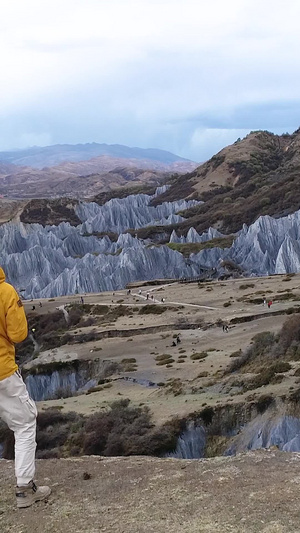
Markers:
point(84, 170)
point(48, 156)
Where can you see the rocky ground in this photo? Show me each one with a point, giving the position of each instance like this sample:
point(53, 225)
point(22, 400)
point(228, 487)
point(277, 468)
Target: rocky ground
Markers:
point(184, 304)
point(257, 492)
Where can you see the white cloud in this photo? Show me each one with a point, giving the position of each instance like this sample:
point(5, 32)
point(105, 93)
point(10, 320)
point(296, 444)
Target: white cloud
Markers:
point(139, 71)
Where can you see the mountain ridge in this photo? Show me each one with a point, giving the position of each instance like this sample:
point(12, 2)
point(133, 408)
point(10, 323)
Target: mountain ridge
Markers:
point(40, 157)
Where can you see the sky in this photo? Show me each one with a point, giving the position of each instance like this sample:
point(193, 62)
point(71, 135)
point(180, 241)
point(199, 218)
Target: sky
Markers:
point(187, 76)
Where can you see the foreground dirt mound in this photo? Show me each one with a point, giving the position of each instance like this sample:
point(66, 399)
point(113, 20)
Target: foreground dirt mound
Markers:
point(253, 492)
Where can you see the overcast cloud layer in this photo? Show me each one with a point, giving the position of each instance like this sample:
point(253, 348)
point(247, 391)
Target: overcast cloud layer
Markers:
point(188, 76)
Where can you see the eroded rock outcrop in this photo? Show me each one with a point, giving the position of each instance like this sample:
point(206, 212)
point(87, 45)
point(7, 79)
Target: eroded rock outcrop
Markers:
point(56, 260)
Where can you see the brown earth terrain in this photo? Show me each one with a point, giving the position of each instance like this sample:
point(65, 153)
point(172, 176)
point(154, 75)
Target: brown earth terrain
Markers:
point(197, 313)
point(53, 183)
point(10, 209)
point(256, 492)
point(85, 178)
point(239, 184)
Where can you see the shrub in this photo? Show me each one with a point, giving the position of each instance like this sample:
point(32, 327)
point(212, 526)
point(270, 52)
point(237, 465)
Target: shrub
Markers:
point(263, 402)
point(175, 386)
point(162, 357)
point(238, 353)
point(280, 366)
point(290, 332)
point(86, 322)
point(152, 309)
point(207, 415)
point(122, 430)
point(268, 375)
point(126, 430)
point(260, 349)
point(165, 362)
point(246, 286)
point(100, 309)
point(200, 355)
point(202, 375)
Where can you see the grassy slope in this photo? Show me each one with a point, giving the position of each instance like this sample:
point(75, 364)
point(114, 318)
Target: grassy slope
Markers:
point(259, 175)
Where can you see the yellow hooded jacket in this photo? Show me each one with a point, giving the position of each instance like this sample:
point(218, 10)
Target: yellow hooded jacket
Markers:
point(13, 326)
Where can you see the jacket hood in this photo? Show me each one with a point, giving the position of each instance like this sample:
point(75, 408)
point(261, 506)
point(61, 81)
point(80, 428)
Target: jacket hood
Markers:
point(2, 275)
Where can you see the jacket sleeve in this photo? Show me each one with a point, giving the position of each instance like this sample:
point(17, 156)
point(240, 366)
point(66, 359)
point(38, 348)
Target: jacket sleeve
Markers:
point(16, 321)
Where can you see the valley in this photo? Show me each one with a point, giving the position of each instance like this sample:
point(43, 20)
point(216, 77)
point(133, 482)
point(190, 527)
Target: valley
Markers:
point(136, 338)
point(158, 304)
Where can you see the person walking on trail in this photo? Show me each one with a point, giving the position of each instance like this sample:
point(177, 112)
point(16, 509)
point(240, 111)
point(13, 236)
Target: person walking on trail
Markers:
point(17, 409)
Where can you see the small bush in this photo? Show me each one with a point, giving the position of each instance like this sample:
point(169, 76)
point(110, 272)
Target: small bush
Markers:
point(263, 402)
point(246, 286)
point(100, 309)
point(152, 309)
point(200, 355)
point(290, 332)
point(162, 357)
point(202, 375)
point(126, 430)
point(166, 362)
point(238, 353)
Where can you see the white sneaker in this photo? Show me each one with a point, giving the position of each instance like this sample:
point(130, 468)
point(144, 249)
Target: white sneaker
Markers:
point(27, 495)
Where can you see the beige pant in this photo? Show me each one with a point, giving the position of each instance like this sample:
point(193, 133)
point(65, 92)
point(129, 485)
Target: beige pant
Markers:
point(18, 410)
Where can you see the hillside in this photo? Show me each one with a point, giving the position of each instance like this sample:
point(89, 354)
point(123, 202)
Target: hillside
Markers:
point(259, 175)
point(84, 170)
point(256, 492)
point(119, 326)
point(56, 182)
point(39, 157)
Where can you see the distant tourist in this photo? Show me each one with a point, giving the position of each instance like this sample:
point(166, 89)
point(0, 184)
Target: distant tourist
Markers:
point(269, 303)
point(147, 297)
point(33, 308)
point(140, 291)
point(82, 300)
point(40, 304)
point(265, 302)
point(17, 409)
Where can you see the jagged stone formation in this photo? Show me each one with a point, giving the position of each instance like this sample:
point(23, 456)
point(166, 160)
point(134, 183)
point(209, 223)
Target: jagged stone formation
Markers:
point(193, 236)
point(64, 259)
point(264, 431)
point(268, 246)
point(191, 443)
point(132, 212)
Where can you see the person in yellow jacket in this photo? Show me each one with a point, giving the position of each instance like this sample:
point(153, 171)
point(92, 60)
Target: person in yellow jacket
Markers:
point(17, 409)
